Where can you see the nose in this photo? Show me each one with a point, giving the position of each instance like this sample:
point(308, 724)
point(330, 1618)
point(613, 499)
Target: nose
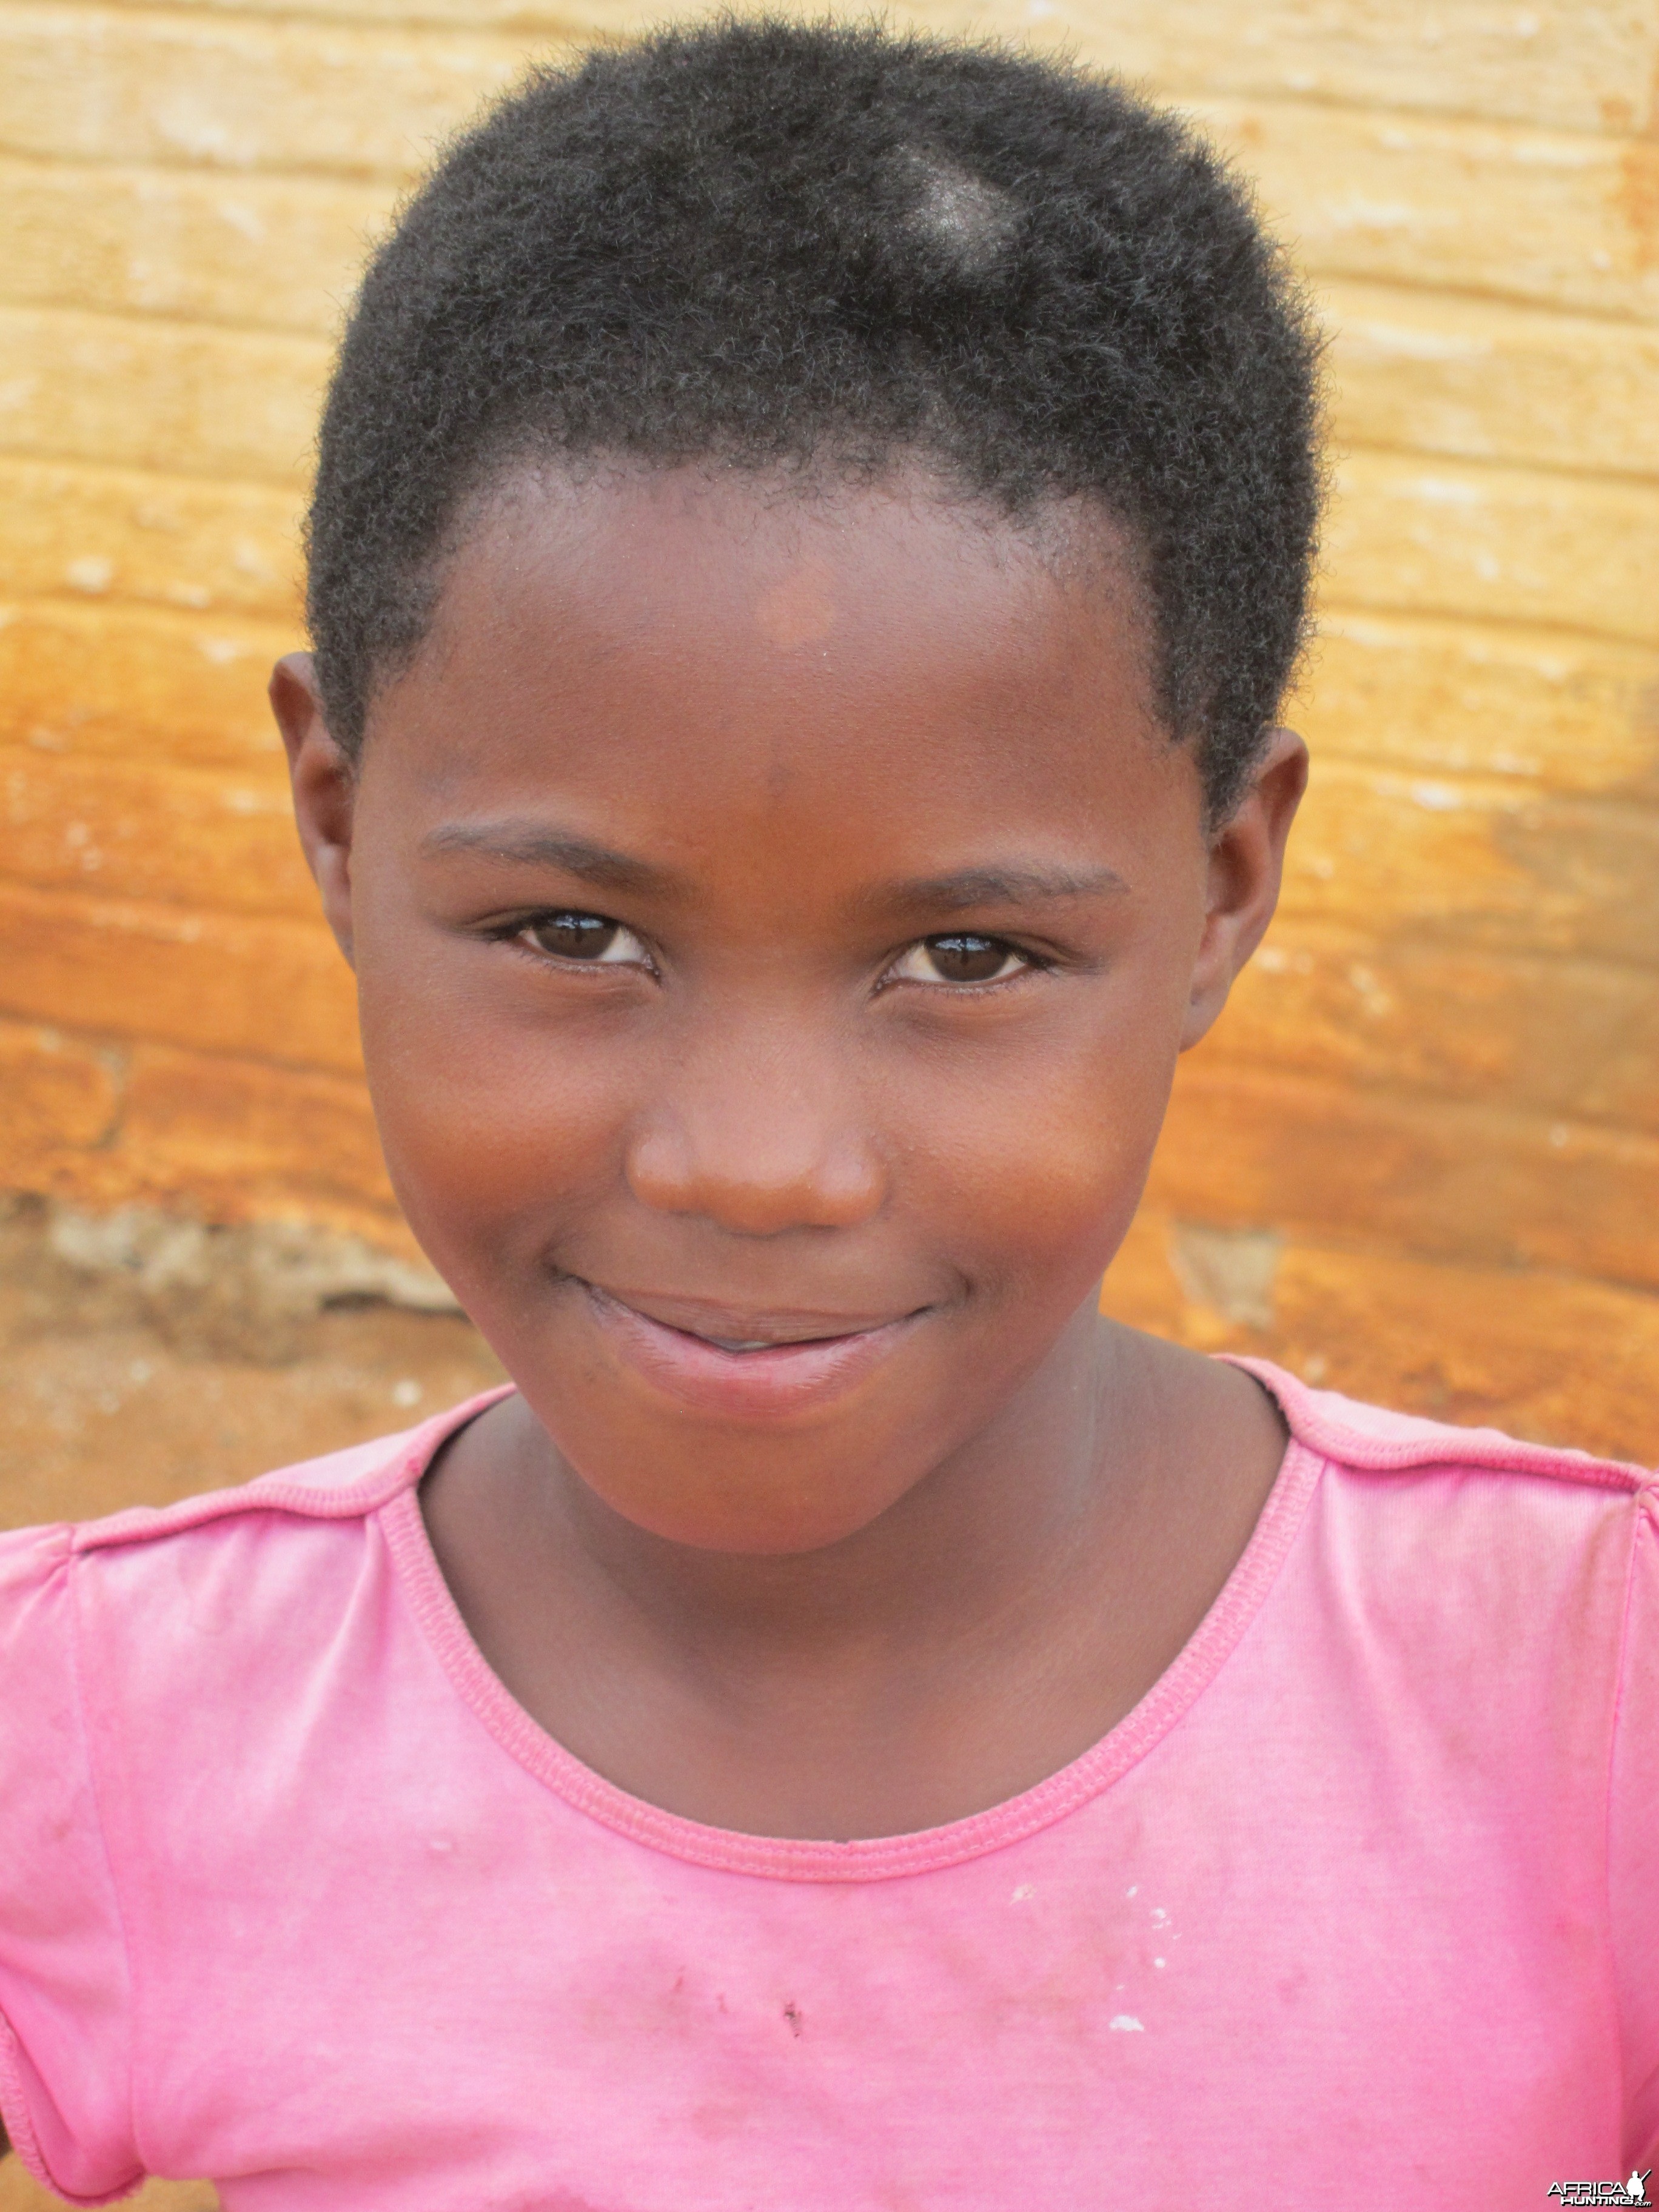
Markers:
point(756, 1131)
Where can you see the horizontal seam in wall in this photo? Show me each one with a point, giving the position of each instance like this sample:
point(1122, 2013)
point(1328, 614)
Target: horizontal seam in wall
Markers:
point(99, 1041)
point(1539, 303)
point(344, 172)
point(152, 318)
point(1599, 318)
point(197, 909)
point(1336, 104)
point(1616, 805)
point(1340, 1247)
point(1519, 463)
point(1325, 936)
point(92, 603)
point(1484, 618)
point(1161, 91)
point(1429, 1098)
point(1442, 620)
point(127, 1040)
point(1620, 800)
point(173, 318)
point(308, 920)
point(579, 31)
point(59, 457)
point(1433, 1105)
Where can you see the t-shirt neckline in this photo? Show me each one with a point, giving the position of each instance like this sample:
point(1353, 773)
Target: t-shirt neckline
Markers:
point(865, 1858)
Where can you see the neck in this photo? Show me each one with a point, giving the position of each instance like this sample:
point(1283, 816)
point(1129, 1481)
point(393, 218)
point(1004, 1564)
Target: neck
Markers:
point(983, 1536)
point(984, 1630)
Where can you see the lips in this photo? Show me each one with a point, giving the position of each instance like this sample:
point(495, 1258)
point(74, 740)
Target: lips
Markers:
point(748, 1367)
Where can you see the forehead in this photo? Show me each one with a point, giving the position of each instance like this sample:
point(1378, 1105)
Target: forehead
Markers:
point(722, 648)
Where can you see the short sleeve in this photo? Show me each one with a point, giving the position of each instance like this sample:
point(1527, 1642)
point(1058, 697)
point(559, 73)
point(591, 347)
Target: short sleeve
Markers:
point(1633, 1831)
point(65, 1994)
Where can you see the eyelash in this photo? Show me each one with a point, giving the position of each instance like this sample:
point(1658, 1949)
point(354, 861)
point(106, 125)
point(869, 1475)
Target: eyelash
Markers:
point(517, 934)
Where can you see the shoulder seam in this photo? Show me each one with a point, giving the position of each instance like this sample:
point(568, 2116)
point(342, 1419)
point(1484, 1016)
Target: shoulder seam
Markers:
point(143, 1524)
point(1434, 1445)
point(409, 1454)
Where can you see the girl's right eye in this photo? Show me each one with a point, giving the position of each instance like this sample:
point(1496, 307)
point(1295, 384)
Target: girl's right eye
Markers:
point(569, 934)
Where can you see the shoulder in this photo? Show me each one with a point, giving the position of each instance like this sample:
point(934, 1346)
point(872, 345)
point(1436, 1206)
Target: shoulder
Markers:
point(1474, 1605)
point(1372, 1439)
point(340, 1486)
point(175, 1642)
point(268, 1556)
point(144, 1659)
point(1469, 1542)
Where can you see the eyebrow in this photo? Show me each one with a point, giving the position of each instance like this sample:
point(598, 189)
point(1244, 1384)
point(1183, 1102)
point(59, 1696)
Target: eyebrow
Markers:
point(1015, 885)
point(530, 844)
point(519, 844)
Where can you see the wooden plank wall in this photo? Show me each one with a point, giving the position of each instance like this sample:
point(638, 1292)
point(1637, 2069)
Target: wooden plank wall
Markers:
point(1420, 1157)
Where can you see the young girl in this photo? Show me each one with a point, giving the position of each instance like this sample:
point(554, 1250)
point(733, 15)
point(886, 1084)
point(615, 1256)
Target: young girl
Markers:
point(811, 534)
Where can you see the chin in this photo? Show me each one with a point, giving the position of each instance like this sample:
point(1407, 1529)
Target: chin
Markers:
point(753, 1503)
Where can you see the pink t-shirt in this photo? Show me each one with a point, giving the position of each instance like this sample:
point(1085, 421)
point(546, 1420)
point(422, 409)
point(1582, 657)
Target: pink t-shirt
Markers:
point(1360, 1904)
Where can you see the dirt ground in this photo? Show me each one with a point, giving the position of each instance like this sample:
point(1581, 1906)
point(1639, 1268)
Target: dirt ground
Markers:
point(125, 1381)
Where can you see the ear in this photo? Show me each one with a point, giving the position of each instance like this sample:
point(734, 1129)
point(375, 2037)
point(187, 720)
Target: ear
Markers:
point(1247, 861)
point(325, 787)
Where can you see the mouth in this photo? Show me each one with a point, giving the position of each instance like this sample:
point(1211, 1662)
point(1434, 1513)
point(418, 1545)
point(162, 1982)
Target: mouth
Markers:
point(745, 1366)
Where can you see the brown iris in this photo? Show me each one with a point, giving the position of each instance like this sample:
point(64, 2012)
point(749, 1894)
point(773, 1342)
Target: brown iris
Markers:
point(962, 957)
point(573, 936)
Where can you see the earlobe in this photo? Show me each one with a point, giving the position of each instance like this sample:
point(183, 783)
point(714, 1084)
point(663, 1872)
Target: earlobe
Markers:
point(1246, 867)
point(325, 786)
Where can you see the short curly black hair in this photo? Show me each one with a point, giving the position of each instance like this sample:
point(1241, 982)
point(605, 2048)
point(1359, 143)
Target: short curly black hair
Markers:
point(776, 246)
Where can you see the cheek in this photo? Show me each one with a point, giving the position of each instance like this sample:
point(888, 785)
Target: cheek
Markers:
point(1036, 1156)
point(488, 1118)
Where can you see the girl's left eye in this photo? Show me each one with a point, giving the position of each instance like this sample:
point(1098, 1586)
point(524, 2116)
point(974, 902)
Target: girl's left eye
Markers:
point(589, 938)
point(961, 956)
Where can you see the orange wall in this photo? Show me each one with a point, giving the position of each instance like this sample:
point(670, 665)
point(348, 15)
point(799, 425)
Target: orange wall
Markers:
point(1420, 1156)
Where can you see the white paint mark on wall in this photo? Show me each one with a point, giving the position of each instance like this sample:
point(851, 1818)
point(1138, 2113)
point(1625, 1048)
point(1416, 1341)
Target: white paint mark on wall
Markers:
point(1437, 798)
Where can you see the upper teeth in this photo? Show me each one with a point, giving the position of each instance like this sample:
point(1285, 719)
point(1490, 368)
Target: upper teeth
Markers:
point(742, 1344)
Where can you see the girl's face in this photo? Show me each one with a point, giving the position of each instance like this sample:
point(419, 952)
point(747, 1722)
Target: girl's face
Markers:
point(775, 922)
